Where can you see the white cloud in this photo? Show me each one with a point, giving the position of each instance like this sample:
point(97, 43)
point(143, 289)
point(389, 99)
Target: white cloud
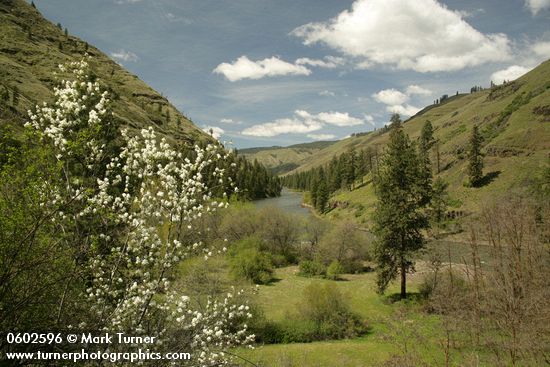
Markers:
point(421, 35)
point(230, 121)
point(215, 131)
point(537, 5)
point(123, 55)
point(283, 126)
point(417, 90)
point(321, 136)
point(338, 119)
point(541, 49)
point(330, 62)
point(405, 110)
point(244, 68)
point(509, 74)
point(369, 119)
point(390, 97)
point(327, 93)
point(302, 122)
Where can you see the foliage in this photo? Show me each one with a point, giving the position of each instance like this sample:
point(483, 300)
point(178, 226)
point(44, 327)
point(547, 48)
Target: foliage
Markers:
point(475, 158)
point(399, 218)
point(114, 217)
point(312, 268)
point(341, 173)
point(334, 270)
point(249, 262)
point(347, 245)
point(440, 200)
point(327, 309)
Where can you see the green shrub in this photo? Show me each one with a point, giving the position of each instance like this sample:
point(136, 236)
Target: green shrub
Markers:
point(247, 261)
point(334, 270)
point(326, 307)
point(309, 268)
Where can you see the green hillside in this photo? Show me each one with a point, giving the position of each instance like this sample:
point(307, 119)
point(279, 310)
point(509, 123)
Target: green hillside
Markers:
point(31, 48)
point(514, 120)
point(284, 159)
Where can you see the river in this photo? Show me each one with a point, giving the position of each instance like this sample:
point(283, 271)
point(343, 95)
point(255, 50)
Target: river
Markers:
point(289, 201)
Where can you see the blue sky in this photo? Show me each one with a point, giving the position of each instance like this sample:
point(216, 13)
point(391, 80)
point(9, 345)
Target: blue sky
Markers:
point(280, 72)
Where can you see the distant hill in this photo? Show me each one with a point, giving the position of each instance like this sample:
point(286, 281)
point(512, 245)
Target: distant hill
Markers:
point(31, 48)
point(514, 119)
point(284, 159)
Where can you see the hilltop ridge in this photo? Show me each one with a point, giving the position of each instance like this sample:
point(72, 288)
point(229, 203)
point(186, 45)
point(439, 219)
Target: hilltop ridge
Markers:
point(31, 48)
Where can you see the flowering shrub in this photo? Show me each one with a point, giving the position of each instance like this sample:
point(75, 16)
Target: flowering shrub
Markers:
point(130, 204)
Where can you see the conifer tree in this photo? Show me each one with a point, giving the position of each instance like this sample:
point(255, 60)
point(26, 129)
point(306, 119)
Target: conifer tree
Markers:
point(399, 218)
point(475, 158)
point(440, 197)
point(322, 193)
point(425, 175)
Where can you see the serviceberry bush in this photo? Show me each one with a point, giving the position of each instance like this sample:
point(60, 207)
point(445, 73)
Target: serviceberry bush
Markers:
point(128, 204)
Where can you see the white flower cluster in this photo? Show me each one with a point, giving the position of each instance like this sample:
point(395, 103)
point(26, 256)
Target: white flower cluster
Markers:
point(77, 103)
point(151, 195)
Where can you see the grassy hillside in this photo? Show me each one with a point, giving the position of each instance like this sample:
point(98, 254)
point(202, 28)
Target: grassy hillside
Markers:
point(515, 123)
point(31, 48)
point(285, 159)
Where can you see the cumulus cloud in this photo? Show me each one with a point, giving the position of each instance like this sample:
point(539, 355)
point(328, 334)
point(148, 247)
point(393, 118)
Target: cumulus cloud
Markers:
point(244, 68)
point(421, 35)
point(215, 131)
point(405, 110)
point(321, 136)
point(541, 49)
point(418, 90)
point(535, 6)
point(283, 126)
point(511, 73)
point(390, 97)
point(123, 55)
point(330, 62)
point(302, 122)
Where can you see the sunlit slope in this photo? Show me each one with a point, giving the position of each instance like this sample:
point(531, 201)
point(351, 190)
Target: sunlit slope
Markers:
point(514, 120)
point(31, 48)
point(284, 159)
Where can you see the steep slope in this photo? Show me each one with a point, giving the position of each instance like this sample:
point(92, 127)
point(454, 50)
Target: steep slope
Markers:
point(514, 120)
point(31, 48)
point(284, 159)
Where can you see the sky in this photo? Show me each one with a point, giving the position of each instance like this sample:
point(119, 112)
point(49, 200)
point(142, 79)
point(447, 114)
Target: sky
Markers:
point(281, 72)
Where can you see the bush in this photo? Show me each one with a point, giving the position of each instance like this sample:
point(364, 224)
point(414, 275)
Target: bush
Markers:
point(334, 270)
point(310, 268)
point(247, 261)
point(346, 244)
point(327, 309)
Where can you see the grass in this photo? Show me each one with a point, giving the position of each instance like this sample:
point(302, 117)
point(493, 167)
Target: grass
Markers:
point(516, 145)
point(279, 300)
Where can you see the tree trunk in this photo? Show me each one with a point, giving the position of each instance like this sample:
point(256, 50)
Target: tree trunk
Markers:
point(403, 281)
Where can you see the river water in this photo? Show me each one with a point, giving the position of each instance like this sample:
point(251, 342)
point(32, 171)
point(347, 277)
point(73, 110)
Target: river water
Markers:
point(289, 201)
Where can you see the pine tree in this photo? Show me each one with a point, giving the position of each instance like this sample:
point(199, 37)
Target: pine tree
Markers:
point(399, 216)
point(475, 158)
point(425, 175)
point(440, 198)
point(322, 192)
point(350, 168)
point(395, 120)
